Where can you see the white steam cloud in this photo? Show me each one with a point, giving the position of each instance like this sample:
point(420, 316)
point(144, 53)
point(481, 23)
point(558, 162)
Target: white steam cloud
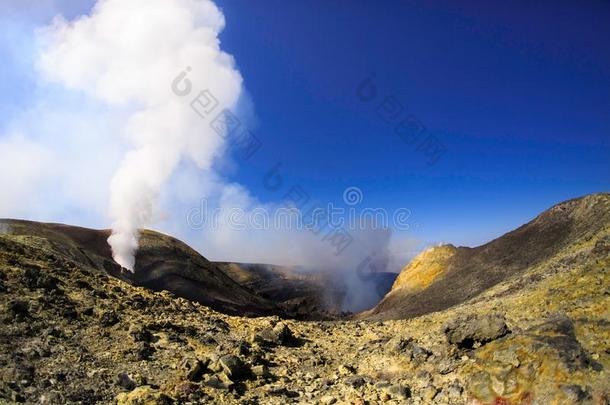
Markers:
point(126, 54)
point(100, 133)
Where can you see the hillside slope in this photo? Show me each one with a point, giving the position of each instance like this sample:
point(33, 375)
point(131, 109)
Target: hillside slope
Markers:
point(445, 276)
point(162, 263)
point(71, 334)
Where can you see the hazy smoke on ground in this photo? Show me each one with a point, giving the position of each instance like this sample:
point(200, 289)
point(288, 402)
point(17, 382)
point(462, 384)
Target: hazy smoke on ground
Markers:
point(126, 54)
point(357, 269)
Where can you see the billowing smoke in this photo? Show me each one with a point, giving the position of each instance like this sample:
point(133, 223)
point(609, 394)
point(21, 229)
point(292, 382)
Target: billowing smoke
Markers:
point(104, 133)
point(126, 54)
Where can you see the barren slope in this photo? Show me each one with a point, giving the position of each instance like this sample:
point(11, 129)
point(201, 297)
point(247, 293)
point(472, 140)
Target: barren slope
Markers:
point(162, 263)
point(448, 276)
point(71, 334)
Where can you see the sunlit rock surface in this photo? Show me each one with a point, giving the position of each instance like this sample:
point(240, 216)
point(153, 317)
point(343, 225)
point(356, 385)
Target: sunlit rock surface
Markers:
point(539, 334)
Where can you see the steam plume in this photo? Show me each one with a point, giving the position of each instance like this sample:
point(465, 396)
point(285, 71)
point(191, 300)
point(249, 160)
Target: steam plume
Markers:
point(114, 120)
point(127, 54)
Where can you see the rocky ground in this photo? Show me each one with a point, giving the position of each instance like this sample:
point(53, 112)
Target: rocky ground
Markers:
point(70, 333)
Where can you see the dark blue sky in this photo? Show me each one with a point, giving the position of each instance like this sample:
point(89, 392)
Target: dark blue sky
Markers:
point(518, 94)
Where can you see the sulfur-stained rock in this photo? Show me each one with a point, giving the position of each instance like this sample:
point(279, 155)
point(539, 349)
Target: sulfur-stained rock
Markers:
point(144, 395)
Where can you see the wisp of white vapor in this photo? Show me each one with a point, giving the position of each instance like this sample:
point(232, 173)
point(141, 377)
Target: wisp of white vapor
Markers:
point(103, 129)
point(126, 54)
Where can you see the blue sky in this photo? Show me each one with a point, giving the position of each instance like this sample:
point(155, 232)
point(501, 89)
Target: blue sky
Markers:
point(518, 95)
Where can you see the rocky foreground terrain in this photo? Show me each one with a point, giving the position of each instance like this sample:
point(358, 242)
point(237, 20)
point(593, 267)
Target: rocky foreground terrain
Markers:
point(76, 330)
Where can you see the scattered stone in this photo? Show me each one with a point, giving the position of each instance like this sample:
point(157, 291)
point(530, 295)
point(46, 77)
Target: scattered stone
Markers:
point(51, 398)
point(138, 302)
point(559, 333)
point(399, 391)
point(346, 369)
point(576, 393)
point(220, 382)
point(80, 283)
point(208, 340)
point(445, 366)
point(398, 344)
point(244, 348)
point(88, 311)
point(144, 351)
point(328, 400)
point(508, 356)
point(279, 335)
point(261, 371)
point(192, 369)
point(19, 309)
point(282, 391)
point(475, 330)
point(454, 392)
point(408, 347)
point(140, 334)
point(429, 392)
point(185, 389)
point(441, 397)
point(34, 278)
point(21, 373)
point(143, 395)
point(234, 367)
point(124, 380)
point(418, 353)
point(355, 381)
point(69, 312)
point(109, 318)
